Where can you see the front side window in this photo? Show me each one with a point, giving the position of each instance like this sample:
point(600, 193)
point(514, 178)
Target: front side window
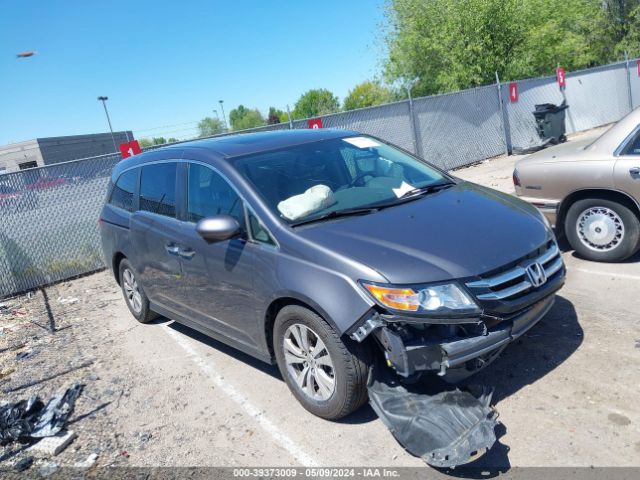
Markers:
point(122, 194)
point(316, 179)
point(209, 194)
point(158, 188)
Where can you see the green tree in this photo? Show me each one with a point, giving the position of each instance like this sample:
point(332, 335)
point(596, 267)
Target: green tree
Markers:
point(453, 44)
point(315, 102)
point(242, 118)
point(366, 94)
point(144, 142)
point(159, 140)
point(209, 126)
point(274, 116)
point(172, 140)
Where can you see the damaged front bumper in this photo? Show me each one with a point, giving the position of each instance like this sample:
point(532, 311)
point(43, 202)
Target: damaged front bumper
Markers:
point(453, 350)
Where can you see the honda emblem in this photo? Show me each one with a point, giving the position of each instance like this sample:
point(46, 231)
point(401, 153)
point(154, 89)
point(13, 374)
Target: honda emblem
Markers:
point(536, 274)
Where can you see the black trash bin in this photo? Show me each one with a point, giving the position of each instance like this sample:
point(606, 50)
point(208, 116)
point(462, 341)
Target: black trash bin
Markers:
point(550, 121)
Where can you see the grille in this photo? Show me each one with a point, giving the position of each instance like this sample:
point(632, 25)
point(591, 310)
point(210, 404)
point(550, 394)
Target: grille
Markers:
point(516, 282)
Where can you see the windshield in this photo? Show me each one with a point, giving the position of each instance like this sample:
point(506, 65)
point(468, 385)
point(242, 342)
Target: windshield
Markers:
point(313, 180)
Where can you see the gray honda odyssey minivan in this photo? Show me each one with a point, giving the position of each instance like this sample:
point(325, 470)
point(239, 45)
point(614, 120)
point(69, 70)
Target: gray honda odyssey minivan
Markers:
point(326, 251)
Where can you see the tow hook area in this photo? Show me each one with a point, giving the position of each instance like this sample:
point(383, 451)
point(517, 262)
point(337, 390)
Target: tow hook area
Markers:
point(445, 428)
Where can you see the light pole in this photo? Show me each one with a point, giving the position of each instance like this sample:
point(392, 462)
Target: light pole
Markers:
point(224, 118)
point(104, 104)
point(216, 113)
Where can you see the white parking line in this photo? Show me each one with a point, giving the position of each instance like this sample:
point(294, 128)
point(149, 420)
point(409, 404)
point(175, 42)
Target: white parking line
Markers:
point(254, 412)
point(608, 274)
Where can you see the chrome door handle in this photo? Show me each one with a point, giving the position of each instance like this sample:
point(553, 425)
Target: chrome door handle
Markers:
point(635, 171)
point(187, 253)
point(172, 249)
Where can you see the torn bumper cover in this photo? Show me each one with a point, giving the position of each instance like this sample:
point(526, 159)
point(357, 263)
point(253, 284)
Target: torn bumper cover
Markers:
point(445, 429)
point(454, 351)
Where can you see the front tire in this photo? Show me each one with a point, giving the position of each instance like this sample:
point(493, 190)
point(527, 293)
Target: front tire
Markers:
point(326, 374)
point(134, 295)
point(602, 230)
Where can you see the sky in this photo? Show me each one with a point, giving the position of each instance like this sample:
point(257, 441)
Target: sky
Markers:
point(165, 64)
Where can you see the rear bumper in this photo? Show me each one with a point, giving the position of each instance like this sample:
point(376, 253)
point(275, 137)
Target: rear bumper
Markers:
point(549, 208)
point(457, 358)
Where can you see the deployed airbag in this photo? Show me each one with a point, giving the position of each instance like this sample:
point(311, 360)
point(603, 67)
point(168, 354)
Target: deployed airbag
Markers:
point(445, 428)
point(312, 200)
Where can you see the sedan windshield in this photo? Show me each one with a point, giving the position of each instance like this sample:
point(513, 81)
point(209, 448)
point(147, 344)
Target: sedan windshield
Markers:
point(324, 179)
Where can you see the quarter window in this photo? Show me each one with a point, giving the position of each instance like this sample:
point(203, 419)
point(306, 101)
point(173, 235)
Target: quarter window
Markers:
point(158, 188)
point(122, 194)
point(258, 232)
point(209, 194)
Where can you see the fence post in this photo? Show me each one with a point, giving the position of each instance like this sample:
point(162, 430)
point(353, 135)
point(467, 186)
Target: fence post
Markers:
point(417, 146)
point(626, 63)
point(503, 119)
point(290, 121)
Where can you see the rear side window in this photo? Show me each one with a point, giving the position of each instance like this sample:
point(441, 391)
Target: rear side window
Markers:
point(158, 188)
point(209, 194)
point(122, 194)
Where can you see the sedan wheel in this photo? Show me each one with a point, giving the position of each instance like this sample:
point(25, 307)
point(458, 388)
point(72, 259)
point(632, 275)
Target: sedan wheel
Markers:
point(600, 229)
point(308, 362)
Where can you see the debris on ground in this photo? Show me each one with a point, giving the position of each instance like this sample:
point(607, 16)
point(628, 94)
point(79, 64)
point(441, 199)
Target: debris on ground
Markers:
point(87, 462)
point(48, 468)
point(23, 464)
point(28, 420)
point(52, 446)
point(5, 372)
point(26, 354)
point(68, 300)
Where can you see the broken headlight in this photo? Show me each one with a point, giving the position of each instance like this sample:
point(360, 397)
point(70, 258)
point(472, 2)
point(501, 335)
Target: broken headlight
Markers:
point(438, 300)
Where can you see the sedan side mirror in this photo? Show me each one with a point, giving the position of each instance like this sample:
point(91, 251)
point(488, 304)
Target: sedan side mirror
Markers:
point(218, 228)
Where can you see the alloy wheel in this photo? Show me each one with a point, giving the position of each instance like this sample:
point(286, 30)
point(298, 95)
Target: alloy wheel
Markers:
point(308, 362)
point(131, 290)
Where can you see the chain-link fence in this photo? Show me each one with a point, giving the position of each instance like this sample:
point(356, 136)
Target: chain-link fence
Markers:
point(49, 231)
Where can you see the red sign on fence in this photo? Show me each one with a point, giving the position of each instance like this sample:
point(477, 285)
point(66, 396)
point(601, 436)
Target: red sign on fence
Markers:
point(513, 92)
point(130, 149)
point(560, 76)
point(638, 67)
point(314, 123)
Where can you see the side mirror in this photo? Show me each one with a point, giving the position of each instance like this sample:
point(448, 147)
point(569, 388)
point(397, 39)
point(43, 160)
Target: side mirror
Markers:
point(218, 228)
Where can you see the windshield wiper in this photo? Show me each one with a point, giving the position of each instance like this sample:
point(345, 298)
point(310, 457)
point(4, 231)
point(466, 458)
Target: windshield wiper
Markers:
point(426, 189)
point(336, 214)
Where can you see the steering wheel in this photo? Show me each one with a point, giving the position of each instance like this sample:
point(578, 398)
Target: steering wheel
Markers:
point(359, 178)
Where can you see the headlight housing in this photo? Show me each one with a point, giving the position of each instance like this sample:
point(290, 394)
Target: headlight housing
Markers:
point(444, 299)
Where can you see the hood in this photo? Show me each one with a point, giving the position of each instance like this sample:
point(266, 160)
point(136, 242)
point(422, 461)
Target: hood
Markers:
point(565, 152)
point(462, 231)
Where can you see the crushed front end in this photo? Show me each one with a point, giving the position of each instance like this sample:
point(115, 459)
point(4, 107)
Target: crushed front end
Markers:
point(473, 320)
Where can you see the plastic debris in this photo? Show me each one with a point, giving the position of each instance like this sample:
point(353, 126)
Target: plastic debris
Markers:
point(28, 420)
point(445, 428)
point(26, 354)
point(23, 464)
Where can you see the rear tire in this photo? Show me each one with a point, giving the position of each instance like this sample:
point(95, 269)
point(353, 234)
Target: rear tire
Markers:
point(134, 296)
point(349, 363)
point(602, 230)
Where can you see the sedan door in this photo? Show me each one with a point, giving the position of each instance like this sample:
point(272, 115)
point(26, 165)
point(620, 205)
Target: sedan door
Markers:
point(626, 171)
point(218, 288)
